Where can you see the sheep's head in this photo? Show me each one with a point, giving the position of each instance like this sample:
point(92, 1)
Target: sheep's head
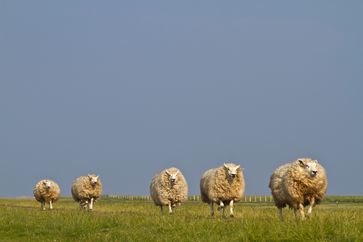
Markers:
point(172, 176)
point(231, 169)
point(93, 179)
point(47, 184)
point(309, 166)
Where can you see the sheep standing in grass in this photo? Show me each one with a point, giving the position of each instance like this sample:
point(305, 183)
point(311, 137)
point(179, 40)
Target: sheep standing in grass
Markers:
point(86, 190)
point(46, 191)
point(223, 185)
point(298, 184)
point(169, 188)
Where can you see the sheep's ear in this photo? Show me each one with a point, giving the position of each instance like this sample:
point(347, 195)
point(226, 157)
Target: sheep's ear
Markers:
point(316, 161)
point(97, 178)
point(177, 172)
point(89, 175)
point(238, 166)
point(225, 165)
point(302, 163)
point(167, 172)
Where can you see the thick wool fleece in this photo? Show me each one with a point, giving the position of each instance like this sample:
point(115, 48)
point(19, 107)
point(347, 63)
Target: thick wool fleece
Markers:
point(291, 185)
point(163, 192)
point(216, 185)
point(82, 190)
point(42, 194)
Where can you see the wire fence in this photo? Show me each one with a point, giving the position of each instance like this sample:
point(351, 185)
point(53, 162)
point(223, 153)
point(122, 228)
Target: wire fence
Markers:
point(246, 199)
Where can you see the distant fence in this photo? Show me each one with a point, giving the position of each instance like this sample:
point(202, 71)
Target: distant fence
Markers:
point(246, 199)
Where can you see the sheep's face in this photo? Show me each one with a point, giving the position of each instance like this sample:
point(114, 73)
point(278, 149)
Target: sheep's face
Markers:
point(309, 166)
point(172, 176)
point(231, 170)
point(93, 179)
point(47, 184)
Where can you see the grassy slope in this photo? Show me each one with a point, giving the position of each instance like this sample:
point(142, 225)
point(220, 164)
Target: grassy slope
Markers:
point(116, 220)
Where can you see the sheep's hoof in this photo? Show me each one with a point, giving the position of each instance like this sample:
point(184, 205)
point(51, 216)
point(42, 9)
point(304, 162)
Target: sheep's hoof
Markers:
point(232, 216)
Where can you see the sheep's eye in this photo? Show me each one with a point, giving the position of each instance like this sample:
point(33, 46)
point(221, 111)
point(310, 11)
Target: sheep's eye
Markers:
point(307, 166)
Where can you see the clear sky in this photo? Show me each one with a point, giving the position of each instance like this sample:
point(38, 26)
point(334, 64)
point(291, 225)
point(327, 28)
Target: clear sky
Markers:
point(127, 88)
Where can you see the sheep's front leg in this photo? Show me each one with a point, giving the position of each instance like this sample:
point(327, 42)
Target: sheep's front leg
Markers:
point(211, 209)
point(221, 206)
point(170, 210)
point(85, 205)
point(42, 206)
point(231, 209)
point(91, 204)
point(280, 214)
point(295, 213)
point(50, 204)
point(312, 203)
point(161, 208)
point(301, 208)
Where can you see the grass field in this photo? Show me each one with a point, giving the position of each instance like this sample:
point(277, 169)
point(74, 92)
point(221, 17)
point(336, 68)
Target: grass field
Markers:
point(121, 220)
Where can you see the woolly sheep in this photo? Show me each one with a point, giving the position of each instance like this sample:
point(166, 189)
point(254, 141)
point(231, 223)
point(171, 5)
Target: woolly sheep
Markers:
point(169, 188)
point(46, 191)
point(223, 185)
point(86, 190)
point(298, 184)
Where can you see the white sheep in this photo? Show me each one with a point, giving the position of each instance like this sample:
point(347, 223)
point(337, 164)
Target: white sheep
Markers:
point(46, 191)
point(298, 184)
point(223, 185)
point(169, 188)
point(86, 190)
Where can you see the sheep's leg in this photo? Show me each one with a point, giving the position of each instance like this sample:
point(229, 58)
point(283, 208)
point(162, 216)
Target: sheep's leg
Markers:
point(231, 209)
point(42, 206)
point(221, 206)
point(170, 210)
point(312, 203)
point(86, 206)
point(161, 208)
point(50, 204)
point(211, 209)
point(91, 204)
point(295, 213)
point(301, 208)
point(280, 214)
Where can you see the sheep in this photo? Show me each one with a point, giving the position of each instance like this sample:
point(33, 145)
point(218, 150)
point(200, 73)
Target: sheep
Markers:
point(298, 184)
point(46, 191)
point(86, 190)
point(223, 185)
point(169, 188)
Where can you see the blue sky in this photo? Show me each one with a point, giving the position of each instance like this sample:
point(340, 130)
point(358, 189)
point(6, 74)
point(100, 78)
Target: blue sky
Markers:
point(127, 88)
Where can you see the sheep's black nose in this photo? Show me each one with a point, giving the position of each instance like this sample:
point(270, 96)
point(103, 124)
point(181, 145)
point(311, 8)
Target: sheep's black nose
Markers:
point(314, 172)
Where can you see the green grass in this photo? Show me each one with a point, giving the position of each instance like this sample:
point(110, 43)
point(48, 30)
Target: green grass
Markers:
point(120, 220)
